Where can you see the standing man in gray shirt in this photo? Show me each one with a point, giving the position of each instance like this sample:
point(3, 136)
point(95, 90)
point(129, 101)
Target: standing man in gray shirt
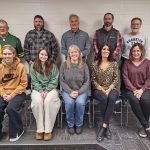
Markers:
point(75, 36)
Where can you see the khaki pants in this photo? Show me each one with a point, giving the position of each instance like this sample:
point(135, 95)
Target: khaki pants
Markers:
point(45, 112)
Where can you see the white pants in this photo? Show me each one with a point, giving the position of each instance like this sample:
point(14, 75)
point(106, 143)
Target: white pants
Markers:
point(45, 112)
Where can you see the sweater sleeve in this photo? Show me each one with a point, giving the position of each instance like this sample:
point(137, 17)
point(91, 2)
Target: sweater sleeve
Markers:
point(147, 82)
point(126, 79)
point(63, 83)
point(23, 82)
point(93, 77)
point(53, 83)
point(115, 76)
point(86, 80)
point(35, 82)
point(2, 92)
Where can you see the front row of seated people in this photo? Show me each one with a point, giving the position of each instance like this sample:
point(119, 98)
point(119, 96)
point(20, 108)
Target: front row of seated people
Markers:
point(74, 82)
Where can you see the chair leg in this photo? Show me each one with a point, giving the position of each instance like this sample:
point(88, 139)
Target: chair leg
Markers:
point(127, 114)
point(61, 115)
point(25, 114)
point(121, 114)
point(89, 114)
point(93, 114)
point(58, 119)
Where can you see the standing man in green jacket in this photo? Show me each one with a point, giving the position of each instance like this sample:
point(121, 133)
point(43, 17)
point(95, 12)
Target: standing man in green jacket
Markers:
point(7, 38)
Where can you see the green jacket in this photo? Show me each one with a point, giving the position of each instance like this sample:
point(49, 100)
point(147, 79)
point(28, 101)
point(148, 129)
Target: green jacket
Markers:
point(43, 83)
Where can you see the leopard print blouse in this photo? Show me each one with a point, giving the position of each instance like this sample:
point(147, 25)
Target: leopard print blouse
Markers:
point(106, 77)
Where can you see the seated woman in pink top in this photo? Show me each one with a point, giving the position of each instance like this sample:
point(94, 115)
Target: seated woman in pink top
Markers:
point(136, 75)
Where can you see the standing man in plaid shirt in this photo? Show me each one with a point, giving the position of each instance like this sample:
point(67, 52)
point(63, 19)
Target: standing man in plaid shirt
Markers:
point(108, 34)
point(39, 38)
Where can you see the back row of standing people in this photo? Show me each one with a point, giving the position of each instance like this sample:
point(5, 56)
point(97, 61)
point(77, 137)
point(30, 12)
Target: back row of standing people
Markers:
point(40, 37)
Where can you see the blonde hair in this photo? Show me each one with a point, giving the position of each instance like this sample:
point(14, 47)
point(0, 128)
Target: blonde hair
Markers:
point(68, 61)
point(10, 48)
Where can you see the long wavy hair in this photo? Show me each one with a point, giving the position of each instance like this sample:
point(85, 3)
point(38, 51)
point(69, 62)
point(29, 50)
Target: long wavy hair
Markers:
point(99, 58)
point(68, 61)
point(48, 64)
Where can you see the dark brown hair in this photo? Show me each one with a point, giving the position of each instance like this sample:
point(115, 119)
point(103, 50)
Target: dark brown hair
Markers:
point(48, 64)
point(38, 16)
point(99, 57)
point(109, 14)
point(142, 49)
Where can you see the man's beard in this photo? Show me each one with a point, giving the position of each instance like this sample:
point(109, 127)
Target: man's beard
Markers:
point(39, 29)
point(135, 30)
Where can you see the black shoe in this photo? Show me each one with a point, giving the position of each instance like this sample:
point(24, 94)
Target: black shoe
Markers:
point(71, 130)
point(142, 133)
point(79, 130)
point(108, 133)
point(101, 134)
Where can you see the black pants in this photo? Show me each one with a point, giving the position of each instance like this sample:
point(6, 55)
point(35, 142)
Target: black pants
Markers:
point(106, 103)
point(141, 108)
point(13, 109)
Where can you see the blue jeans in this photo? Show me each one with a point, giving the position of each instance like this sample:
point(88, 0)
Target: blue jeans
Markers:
point(75, 108)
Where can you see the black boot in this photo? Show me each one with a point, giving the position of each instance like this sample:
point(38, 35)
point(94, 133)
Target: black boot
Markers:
point(108, 133)
point(101, 134)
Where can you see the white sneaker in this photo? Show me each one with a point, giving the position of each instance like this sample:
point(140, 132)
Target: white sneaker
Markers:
point(142, 133)
point(17, 137)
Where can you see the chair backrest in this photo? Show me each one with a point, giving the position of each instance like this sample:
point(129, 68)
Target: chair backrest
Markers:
point(29, 82)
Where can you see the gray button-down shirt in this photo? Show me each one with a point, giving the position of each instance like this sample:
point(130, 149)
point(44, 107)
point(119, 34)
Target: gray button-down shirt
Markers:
point(79, 38)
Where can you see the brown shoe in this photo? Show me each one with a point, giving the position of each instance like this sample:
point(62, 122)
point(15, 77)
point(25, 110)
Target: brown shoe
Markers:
point(47, 136)
point(39, 136)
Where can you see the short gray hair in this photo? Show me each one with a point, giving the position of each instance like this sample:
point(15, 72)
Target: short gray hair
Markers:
point(3, 21)
point(73, 15)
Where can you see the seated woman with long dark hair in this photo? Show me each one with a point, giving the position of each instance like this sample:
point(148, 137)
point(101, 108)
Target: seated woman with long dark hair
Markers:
point(45, 99)
point(136, 75)
point(104, 80)
point(13, 83)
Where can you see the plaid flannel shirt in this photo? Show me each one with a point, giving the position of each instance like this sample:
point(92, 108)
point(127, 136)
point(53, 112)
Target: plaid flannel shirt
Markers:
point(33, 42)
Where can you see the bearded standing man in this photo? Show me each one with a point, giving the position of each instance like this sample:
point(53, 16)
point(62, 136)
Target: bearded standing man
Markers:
point(39, 38)
point(107, 34)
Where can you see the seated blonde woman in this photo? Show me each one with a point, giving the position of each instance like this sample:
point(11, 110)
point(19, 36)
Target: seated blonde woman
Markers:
point(74, 80)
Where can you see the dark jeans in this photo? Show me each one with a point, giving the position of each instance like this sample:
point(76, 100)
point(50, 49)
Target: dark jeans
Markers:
point(13, 109)
point(106, 103)
point(141, 108)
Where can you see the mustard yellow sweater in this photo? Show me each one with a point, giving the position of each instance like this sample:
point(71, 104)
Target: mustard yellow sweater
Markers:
point(13, 78)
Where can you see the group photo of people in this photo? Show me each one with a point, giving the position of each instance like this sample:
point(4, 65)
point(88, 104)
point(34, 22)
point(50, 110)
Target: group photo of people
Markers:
point(106, 67)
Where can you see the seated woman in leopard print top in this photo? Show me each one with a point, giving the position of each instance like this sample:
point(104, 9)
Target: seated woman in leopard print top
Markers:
point(104, 80)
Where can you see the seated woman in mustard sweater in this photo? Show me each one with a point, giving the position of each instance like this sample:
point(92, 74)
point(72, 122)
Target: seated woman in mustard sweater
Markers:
point(45, 100)
point(13, 83)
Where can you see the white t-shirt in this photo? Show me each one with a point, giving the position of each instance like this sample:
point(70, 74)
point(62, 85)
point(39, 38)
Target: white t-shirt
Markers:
point(128, 40)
